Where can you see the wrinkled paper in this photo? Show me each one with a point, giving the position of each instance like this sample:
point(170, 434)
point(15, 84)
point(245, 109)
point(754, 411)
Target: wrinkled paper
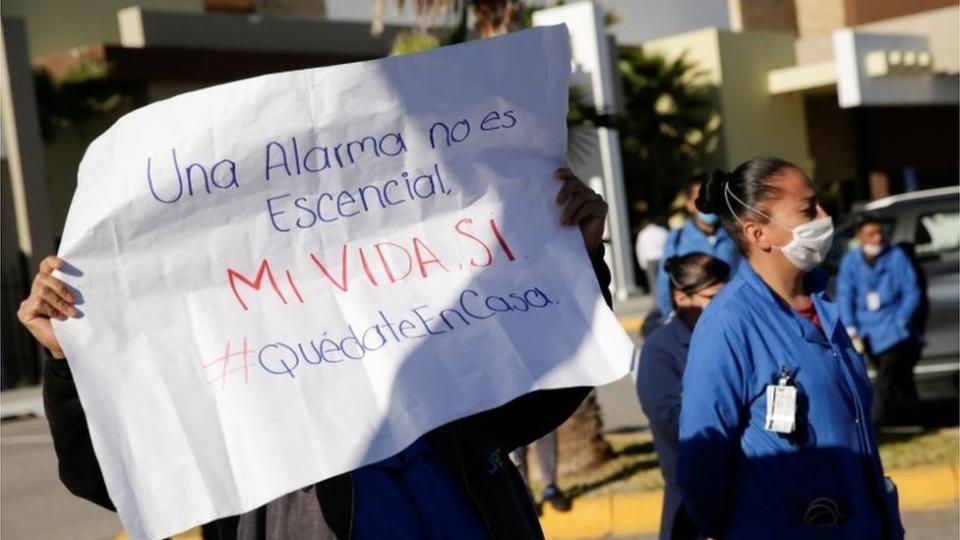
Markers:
point(291, 276)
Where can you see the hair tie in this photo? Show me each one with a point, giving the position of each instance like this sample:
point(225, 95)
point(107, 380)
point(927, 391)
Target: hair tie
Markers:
point(726, 198)
point(727, 193)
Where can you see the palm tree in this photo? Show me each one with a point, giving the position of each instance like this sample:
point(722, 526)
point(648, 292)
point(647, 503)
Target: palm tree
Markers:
point(670, 127)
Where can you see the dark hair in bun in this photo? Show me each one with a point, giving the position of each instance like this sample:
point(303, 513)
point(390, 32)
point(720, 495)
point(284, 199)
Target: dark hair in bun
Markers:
point(695, 271)
point(732, 195)
point(711, 193)
point(694, 181)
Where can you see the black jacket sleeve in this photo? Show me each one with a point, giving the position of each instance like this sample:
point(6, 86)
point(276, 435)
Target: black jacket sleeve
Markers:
point(604, 277)
point(536, 414)
point(77, 464)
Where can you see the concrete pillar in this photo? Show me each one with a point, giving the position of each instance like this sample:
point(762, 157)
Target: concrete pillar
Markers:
point(594, 73)
point(24, 154)
point(23, 145)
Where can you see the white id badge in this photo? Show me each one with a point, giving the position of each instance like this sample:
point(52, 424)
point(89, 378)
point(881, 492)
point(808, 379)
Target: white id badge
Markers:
point(873, 301)
point(781, 408)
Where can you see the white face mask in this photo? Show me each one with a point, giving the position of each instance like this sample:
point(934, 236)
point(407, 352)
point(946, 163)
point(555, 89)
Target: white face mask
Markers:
point(871, 250)
point(811, 240)
point(811, 243)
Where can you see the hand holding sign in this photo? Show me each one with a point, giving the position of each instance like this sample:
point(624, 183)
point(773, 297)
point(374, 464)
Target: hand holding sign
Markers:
point(49, 298)
point(584, 207)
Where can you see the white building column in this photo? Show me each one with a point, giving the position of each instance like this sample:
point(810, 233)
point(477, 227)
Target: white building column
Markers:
point(23, 145)
point(593, 67)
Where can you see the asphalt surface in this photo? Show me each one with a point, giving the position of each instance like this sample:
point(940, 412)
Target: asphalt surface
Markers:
point(618, 400)
point(33, 502)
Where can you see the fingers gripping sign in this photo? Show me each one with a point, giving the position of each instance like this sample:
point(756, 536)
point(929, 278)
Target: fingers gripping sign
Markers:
point(582, 207)
point(50, 298)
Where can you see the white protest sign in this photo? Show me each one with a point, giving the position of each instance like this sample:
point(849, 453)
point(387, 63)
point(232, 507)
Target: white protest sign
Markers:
point(291, 276)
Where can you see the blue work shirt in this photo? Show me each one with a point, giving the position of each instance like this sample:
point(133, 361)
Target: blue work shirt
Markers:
point(893, 282)
point(689, 239)
point(741, 481)
point(659, 384)
point(412, 496)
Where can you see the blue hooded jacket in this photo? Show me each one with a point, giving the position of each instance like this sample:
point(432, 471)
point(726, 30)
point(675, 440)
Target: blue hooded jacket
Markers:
point(741, 481)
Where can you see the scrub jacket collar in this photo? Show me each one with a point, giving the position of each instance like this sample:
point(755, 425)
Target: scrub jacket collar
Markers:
point(815, 282)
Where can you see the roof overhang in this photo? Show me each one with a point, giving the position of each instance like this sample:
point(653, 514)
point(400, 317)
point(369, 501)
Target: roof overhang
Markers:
point(871, 69)
point(148, 64)
point(810, 77)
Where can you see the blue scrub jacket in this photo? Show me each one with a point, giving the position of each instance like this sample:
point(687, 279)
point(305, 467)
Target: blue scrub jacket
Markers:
point(893, 279)
point(689, 239)
point(739, 480)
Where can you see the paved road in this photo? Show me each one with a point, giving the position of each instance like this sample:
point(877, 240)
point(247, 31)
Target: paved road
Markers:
point(33, 502)
point(619, 406)
point(618, 401)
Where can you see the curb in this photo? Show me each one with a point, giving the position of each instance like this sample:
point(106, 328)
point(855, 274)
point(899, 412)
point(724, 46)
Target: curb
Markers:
point(632, 324)
point(22, 403)
point(925, 487)
point(617, 514)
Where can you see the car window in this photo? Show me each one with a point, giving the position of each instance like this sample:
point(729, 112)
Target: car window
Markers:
point(843, 241)
point(938, 235)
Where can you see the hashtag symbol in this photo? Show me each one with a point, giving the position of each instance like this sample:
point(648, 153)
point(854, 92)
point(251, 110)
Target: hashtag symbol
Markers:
point(227, 368)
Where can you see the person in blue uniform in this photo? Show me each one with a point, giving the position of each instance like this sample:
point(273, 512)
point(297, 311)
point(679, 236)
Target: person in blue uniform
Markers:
point(702, 233)
point(695, 278)
point(775, 432)
point(879, 295)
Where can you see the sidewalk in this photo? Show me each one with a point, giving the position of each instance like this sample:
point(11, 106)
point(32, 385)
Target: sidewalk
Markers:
point(621, 514)
point(21, 402)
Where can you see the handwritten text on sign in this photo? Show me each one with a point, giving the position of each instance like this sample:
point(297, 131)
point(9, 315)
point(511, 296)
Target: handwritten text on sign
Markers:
point(288, 277)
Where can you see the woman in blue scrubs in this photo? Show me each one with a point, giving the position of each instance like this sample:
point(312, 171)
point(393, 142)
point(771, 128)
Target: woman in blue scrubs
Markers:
point(695, 278)
point(879, 295)
point(775, 432)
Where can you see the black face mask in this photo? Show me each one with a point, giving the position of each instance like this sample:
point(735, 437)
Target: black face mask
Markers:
point(689, 314)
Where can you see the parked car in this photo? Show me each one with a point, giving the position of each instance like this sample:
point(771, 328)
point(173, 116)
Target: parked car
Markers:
point(927, 224)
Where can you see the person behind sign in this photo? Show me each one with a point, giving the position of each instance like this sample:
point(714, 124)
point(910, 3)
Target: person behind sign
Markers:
point(879, 295)
point(454, 482)
point(775, 433)
point(695, 278)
